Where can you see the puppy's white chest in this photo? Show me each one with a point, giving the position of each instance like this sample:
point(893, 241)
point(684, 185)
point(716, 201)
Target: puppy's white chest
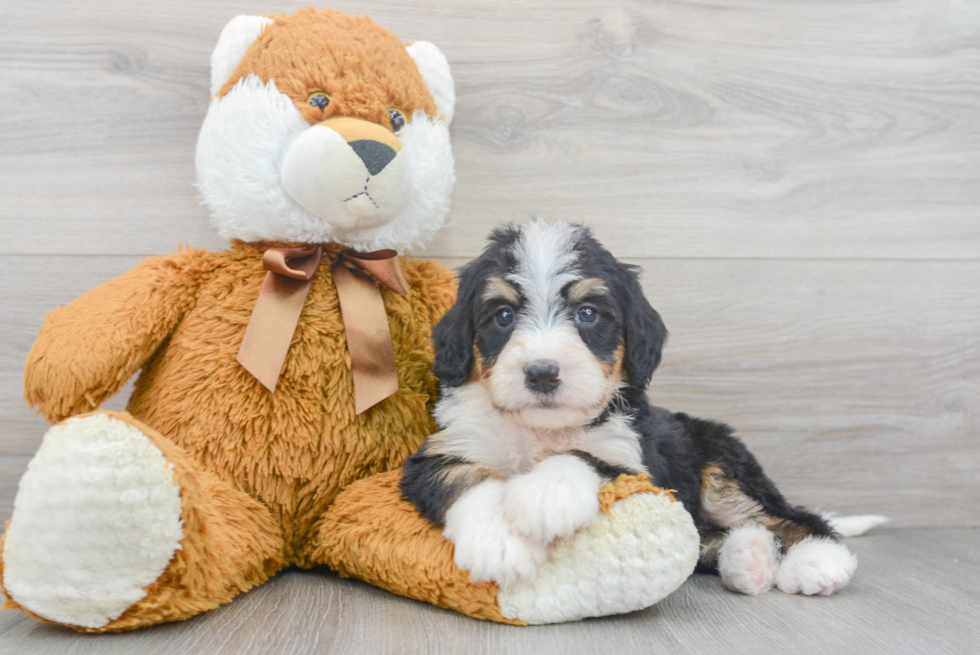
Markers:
point(532, 446)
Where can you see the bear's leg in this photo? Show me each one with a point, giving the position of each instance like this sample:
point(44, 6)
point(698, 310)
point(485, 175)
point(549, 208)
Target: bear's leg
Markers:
point(115, 527)
point(640, 549)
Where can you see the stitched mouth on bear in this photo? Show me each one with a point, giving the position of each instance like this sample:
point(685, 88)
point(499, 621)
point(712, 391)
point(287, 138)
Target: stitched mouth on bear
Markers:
point(351, 185)
point(363, 193)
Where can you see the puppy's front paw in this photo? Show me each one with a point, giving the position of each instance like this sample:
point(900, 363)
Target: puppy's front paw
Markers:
point(816, 566)
point(558, 496)
point(485, 545)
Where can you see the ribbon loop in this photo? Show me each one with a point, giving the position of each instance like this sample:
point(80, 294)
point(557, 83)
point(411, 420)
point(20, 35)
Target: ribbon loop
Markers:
point(383, 265)
point(280, 304)
point(306, 259)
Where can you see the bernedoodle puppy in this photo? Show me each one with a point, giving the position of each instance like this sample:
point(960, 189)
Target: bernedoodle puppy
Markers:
point(543, 362)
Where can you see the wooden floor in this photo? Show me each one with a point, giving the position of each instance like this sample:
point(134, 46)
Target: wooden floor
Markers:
point(915, 592)
point(800, 182)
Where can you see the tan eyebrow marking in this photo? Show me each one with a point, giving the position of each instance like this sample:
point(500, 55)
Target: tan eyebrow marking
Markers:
point(590, 286)
point(499, 289)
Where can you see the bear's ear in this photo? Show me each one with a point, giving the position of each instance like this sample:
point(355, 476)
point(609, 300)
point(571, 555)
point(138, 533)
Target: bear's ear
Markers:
point(235, 39)
point(438, 78)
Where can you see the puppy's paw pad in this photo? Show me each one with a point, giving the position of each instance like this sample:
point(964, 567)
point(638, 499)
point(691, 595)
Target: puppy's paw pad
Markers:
point(816, 566)
point(748, 561)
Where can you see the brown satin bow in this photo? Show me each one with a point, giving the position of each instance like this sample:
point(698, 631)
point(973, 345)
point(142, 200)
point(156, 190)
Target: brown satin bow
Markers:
point(280, 303)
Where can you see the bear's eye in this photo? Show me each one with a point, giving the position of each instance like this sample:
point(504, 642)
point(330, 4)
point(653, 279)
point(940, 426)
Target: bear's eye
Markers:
point(319, 100)
point(397, 120)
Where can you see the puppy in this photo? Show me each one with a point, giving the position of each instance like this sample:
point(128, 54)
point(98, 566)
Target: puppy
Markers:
point(543, 363)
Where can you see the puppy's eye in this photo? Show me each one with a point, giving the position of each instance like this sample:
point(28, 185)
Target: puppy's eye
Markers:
point(319, 100)
point(504, 317)
point(397, 120)
point(586, 315)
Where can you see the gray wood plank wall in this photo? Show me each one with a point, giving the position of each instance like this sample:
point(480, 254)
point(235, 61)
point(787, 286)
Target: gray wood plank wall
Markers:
point(799, 180)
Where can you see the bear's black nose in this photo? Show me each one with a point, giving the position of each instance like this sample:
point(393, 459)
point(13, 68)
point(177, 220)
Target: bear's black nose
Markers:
point(374, 154)
point(542, 375)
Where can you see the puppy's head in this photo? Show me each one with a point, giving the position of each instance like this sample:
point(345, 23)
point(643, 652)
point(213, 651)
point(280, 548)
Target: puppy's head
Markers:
point(550, 324)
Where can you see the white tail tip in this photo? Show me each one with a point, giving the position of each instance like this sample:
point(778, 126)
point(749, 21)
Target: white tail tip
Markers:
point(852, 526)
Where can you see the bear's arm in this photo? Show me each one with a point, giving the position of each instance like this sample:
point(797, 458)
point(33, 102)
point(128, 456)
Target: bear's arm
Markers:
point(87, 349)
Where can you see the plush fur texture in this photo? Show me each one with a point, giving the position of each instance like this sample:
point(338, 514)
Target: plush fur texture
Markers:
point(252, 472)
point(235, 40)
point(293, 450)
point(231, 543)
point(97, 519)
point(544, 361)
point(434, 68)
point(630, 557)
point(370, 532)
point(640, 549)
point(249, 173)
point(284, 455)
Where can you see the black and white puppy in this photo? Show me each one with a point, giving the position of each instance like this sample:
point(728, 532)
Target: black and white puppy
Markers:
point(543, 362)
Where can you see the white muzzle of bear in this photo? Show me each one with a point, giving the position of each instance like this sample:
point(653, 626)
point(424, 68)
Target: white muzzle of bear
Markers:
point(350, 173)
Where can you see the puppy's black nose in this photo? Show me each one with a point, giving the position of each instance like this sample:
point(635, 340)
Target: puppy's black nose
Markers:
point(542, 375)
point(374, 154)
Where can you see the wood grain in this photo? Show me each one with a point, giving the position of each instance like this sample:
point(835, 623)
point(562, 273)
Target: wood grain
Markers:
point(763, 128)
point(799, 180)
point(857, 393)
point(915, 592)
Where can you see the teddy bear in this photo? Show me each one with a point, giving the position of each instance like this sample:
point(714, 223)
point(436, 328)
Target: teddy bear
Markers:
point(283, 381)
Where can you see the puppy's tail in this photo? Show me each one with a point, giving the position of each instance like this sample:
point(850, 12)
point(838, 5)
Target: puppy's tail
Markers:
point(852, 526)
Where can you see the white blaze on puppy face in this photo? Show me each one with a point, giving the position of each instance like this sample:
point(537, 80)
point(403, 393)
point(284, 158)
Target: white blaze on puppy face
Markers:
point(547, 263)
point(579, 397)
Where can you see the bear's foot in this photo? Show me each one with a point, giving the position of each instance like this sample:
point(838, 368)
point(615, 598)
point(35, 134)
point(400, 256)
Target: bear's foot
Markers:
point(640, 549)
point(115, 527)
point(628, 559)
point(96, 520)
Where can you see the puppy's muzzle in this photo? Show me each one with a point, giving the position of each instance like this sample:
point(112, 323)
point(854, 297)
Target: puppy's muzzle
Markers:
point(542, 375)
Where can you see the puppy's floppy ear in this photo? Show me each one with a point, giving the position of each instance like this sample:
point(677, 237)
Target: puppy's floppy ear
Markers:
point(645, 332)
point(453, 336)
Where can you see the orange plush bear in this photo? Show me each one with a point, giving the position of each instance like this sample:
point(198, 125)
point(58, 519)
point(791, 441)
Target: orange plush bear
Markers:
point(276, 373)
point(322, 129)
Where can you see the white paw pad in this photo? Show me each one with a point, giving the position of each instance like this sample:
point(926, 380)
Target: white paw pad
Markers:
point(484, 543)
point(816, 566)
point(96, 519)
point(748, 560)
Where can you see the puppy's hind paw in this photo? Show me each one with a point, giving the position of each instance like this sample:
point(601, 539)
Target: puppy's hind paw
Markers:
point(748, 560)
point(484, 543)
point(816, 566)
